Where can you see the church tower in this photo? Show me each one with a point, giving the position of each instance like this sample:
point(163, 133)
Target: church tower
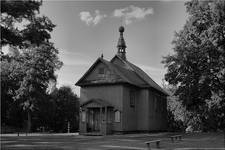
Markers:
point(121, 45)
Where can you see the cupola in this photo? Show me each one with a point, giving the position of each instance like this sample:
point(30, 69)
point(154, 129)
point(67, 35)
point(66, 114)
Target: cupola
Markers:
point(121, 45)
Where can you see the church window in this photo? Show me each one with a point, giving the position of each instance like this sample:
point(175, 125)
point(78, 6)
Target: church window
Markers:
point(117, 116)
point(83, 116)
point(132, 98)
point(101, 71)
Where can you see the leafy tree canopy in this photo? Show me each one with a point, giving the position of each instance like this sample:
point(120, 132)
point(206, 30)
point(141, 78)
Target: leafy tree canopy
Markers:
point(67, 108)
point(21, 25)
point(197, 66)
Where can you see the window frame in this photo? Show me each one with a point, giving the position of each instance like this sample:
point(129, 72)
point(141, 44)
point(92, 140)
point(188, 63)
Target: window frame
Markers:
point(83, 116)
point(117, 117)
point(132, 94)
point(101, 71)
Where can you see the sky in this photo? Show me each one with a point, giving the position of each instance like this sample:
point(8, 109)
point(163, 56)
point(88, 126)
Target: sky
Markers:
point(86, 29)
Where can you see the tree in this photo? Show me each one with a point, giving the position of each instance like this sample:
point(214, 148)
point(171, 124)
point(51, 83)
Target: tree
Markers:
point(176, 112)
point(27, 72)
point(197, 66)
point(57, 110)
point(39, 65)
point(21, 24)
point(67, 110)
point(11, 73)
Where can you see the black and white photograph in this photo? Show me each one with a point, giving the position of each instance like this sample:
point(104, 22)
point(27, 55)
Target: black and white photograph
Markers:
point(112, 75)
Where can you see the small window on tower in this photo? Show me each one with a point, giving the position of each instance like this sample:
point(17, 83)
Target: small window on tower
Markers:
point(101, 71)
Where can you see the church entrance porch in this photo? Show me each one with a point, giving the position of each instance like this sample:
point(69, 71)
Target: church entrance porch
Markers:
point(96, 117)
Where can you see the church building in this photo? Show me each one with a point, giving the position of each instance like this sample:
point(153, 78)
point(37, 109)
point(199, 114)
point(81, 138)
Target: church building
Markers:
point(116, 96)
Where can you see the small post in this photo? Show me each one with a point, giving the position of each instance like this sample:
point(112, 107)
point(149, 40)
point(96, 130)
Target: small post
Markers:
point(68, 127)
point(157, 144)
point(148, 145)
point(101, 118)
point(172, 139)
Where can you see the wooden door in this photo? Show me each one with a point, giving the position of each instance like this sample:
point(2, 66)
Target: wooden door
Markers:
point(89, 120)
point(96, 120)
point(93, 123)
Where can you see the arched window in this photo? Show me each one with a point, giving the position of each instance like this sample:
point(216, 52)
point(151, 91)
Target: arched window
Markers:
point(117, 116)
point(83, 116)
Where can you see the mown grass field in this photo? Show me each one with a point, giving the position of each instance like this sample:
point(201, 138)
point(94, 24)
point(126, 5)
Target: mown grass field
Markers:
point(192, 141)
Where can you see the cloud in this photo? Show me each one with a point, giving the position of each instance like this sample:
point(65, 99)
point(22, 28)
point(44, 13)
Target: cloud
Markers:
point(91, 19)
point(132, 13)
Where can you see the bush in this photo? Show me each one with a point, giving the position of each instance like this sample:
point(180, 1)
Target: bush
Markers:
point(173, 124)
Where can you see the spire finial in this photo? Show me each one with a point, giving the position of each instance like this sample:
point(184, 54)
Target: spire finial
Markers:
point(121, 45)
point(121, 29)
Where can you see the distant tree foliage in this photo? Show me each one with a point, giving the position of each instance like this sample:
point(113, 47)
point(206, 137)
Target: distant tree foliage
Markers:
point(197, 66)
point(67, 109)
point(57, 110)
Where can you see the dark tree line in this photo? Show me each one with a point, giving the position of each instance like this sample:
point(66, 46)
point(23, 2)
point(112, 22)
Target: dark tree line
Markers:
point(28, 68)
point(60, 108)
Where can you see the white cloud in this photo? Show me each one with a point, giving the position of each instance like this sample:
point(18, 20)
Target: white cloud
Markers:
point(92, 19)
point(132, 13)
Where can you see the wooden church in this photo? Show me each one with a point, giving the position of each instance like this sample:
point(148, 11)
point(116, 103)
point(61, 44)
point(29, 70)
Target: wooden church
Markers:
point(118, 97)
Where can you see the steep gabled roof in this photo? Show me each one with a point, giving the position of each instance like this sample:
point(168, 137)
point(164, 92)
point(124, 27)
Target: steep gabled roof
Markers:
point(99, 60)
point(141, 74)
point(130, 74)
point(127, 76)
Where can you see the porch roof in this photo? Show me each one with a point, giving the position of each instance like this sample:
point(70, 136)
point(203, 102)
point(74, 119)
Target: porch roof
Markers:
point(98, 101)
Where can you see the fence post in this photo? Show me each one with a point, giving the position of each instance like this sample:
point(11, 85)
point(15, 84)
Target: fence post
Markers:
point(68, 127)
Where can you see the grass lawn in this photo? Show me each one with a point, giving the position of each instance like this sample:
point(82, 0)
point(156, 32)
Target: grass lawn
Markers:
point(192, 141)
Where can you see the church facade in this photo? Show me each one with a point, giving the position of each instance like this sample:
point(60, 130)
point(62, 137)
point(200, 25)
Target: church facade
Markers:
point(117, 96)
